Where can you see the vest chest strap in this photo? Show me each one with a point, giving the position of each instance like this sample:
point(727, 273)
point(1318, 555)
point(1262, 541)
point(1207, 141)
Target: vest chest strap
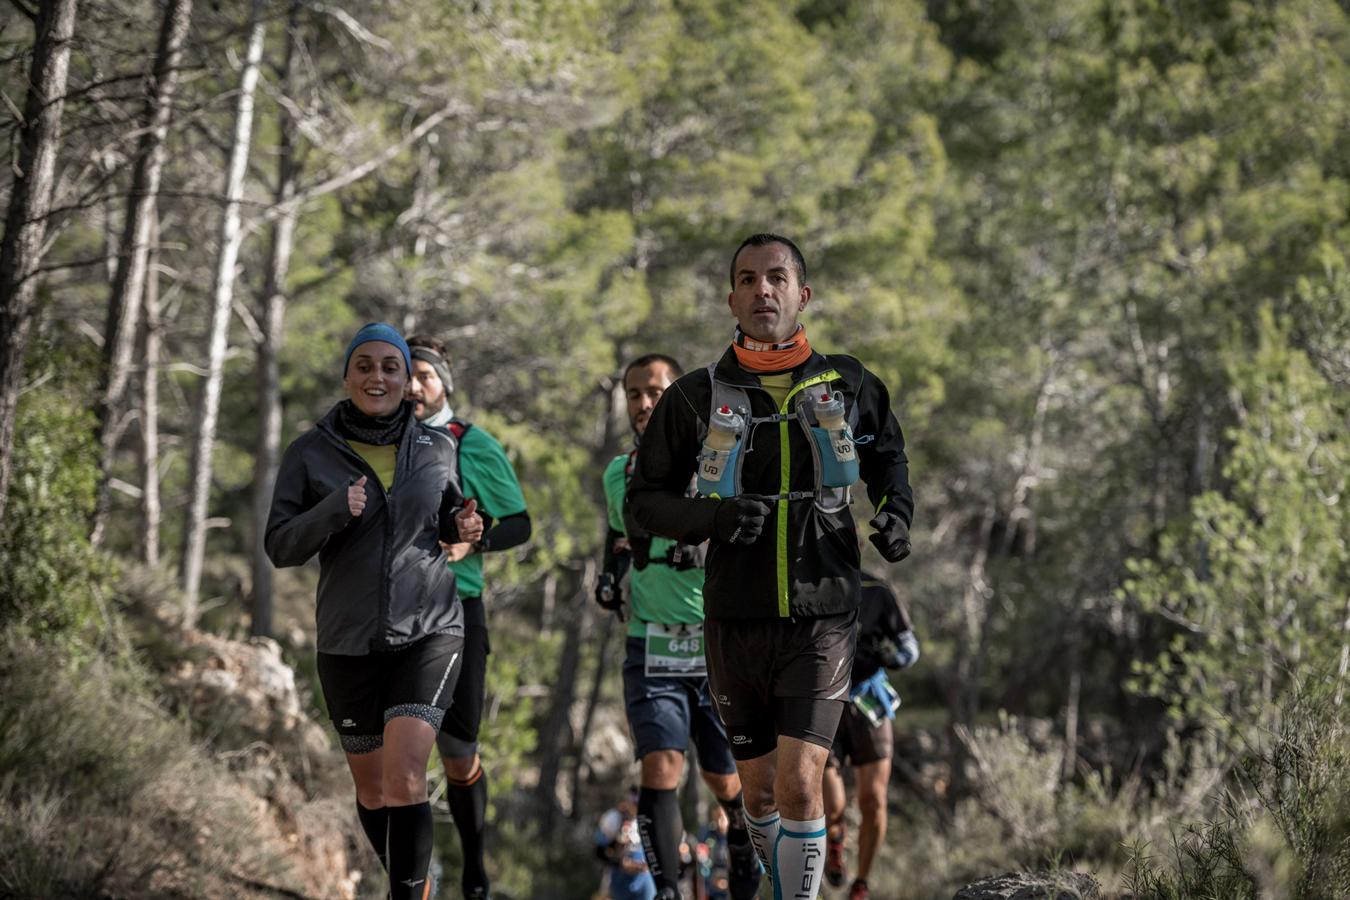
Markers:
point(791, 495)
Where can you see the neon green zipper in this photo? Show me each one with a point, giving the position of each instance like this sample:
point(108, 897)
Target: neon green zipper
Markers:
point(784, 474)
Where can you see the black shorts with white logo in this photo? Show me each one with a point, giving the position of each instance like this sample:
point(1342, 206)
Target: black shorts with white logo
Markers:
point(365, 692)
point(779, 677)
point(859, 742)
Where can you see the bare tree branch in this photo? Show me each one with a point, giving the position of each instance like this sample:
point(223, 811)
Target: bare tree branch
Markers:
point(354, 28)
point(356, 173)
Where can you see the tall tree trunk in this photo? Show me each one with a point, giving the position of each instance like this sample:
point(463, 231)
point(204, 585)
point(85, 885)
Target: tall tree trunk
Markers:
point(30, 200)
point(602, 668)
point(559, 725)
point(199, 482)
point(151, 511)
point(124, 300)
point(272, 318)
point(1070, 764)
point(963, 691)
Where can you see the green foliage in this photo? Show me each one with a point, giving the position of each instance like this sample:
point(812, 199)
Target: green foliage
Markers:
point(52, 582)
point(1255, 580)
point(1096, 251)
point(1205, 864)
point(1283, 829)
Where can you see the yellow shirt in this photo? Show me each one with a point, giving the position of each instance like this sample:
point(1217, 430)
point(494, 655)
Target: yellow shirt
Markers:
point(777, 386)
point(381, 458)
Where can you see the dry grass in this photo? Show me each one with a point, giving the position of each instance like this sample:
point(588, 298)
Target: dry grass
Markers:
point(103, 793)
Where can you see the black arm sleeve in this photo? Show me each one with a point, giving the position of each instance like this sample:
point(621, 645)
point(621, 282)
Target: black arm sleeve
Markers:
point(882, 461)
point(894, 620)
point(511, 531)
point(666, 459)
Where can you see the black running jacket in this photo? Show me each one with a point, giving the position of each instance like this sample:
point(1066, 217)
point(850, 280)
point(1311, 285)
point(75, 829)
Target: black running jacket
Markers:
point(383, 580)
point(805, 562)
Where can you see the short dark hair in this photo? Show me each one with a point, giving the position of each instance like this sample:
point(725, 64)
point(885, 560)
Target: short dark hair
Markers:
point(763, 239)
point(643, 361)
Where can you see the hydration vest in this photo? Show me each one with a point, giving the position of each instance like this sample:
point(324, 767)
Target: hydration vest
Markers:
point(833, 479)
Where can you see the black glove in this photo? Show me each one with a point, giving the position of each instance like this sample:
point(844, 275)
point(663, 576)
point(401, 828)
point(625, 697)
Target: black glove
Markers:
point(892, 536)
point(682, 557)
point(607, 593)
point(739, 520)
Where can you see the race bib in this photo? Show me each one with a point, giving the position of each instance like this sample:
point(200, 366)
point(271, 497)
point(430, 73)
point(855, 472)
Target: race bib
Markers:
point(675, 651)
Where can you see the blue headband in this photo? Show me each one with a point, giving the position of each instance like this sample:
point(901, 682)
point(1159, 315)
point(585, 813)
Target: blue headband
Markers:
point(378, 331)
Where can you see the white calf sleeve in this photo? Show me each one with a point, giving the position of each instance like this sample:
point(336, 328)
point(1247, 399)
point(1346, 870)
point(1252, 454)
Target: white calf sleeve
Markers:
point(763, 834)
point(799, 859)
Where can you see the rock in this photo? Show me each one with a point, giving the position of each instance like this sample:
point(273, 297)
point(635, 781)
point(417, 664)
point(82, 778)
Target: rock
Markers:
point(241, 692)
point(1032, 886)
point(242, 698)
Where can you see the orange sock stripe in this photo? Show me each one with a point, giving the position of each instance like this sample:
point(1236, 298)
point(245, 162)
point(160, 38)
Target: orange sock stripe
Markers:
point(477, 774)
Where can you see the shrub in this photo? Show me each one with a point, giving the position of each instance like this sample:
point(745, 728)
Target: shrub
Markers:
point(53, 581)
point(101, 793)
point(1283, 827)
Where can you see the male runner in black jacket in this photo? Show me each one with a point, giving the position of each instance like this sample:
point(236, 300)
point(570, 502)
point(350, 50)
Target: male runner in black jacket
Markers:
point(782, 586)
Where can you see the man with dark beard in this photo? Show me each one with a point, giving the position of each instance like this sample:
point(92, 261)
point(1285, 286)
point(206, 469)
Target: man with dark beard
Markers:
point(665, 683)
point(486, 475)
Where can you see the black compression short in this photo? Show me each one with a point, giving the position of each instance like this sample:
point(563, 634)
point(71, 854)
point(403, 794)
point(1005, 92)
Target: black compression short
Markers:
point(779, 677)
point(859, 742)
point(365, 692)
point(458, 737)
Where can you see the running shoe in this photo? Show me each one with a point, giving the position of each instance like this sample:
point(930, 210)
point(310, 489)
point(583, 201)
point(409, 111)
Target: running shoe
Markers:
point(834, 861)
point(859, 890)
point(744, 875)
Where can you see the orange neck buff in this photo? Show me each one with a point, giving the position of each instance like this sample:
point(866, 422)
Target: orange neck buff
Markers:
point(758, 356)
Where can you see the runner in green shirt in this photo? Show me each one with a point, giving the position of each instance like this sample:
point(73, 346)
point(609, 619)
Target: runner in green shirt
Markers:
point(665, 684)
point(486, 475)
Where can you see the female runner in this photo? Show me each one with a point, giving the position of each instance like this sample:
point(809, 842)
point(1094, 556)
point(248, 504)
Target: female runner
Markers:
point(374, 493)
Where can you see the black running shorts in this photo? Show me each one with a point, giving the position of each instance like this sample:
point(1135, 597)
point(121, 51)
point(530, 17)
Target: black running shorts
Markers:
point(859, 742)
point(458, 737)
point(779, 677)
point(365, 692)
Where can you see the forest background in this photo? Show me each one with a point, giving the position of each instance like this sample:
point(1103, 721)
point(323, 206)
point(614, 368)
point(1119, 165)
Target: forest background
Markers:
point(1097, 249)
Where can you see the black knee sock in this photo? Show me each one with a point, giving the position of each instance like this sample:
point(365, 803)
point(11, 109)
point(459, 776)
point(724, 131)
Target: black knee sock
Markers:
point(409, 850)
point(375, 823)
point(659, 823)
point(468, 804)
point(737, 832)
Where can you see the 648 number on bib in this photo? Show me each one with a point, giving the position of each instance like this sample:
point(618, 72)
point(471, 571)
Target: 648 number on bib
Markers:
point(675, 650)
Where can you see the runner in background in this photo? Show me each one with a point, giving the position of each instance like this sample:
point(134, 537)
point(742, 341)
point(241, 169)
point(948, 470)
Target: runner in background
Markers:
point(664, 675)
point(865, 738)
point(486, 475)
point(619, 847)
